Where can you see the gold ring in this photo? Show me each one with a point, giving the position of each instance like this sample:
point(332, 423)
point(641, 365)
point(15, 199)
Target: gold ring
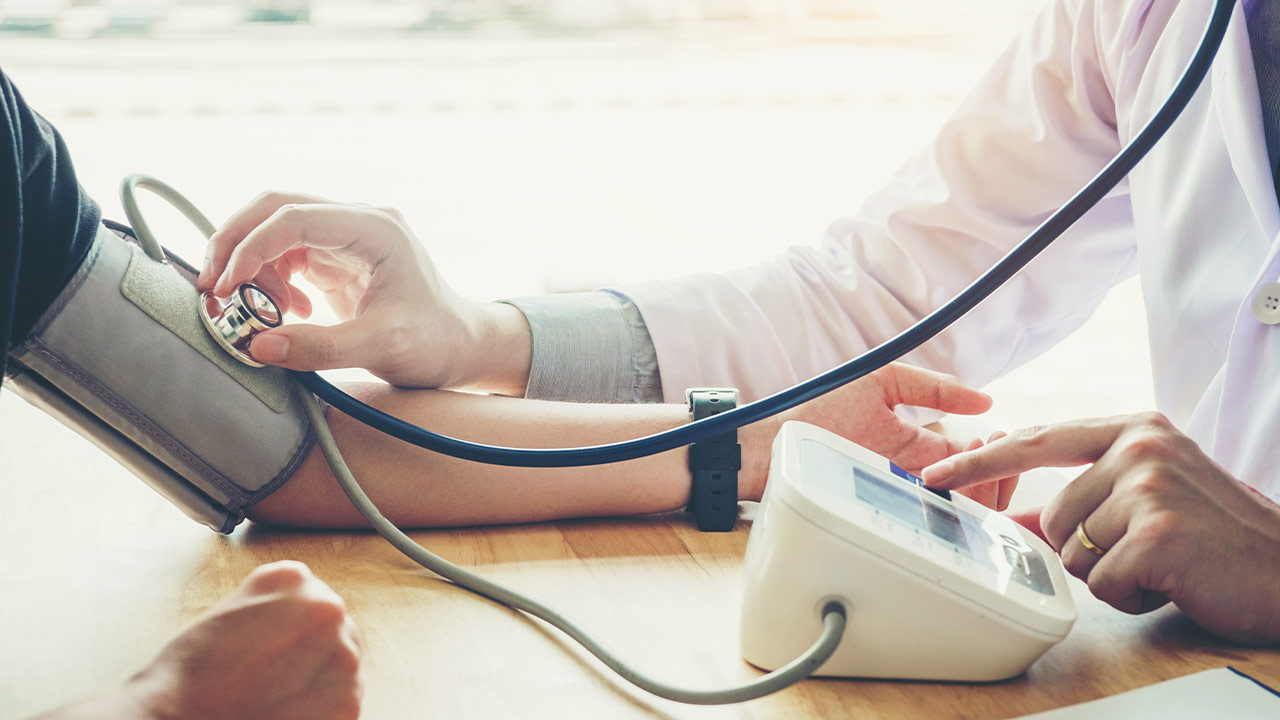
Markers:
point(1089, 545)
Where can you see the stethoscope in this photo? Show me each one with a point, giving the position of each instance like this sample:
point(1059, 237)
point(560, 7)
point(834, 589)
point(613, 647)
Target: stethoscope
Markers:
point(891, 350)
point(234, 321)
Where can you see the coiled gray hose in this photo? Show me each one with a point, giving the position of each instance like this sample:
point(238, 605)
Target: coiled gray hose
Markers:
point(833, 614)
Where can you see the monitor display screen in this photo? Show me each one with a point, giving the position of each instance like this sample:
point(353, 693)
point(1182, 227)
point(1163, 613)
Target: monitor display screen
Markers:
point(1001, 556)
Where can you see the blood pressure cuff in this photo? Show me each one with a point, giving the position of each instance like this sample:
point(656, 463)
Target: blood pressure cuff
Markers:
point(121, 357)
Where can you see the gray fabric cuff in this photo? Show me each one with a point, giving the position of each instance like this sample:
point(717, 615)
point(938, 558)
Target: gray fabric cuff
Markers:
point(589, 347)
point(122, 358)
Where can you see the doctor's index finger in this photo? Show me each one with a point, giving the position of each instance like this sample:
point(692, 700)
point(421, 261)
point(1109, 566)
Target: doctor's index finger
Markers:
point(1061, 445)
point(237, 227)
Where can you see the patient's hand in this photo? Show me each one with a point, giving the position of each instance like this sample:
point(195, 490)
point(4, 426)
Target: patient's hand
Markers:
point(863, 411)
point(281, 647)
point(401, 321)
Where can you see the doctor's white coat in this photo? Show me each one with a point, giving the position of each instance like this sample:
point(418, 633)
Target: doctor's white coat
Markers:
point(1197, 219)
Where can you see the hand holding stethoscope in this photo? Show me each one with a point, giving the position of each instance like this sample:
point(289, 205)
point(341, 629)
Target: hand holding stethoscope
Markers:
point(1152, 521)
point(401, 321)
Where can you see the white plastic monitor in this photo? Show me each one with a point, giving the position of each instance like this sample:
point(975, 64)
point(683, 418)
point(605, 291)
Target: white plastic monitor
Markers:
point(937, 589)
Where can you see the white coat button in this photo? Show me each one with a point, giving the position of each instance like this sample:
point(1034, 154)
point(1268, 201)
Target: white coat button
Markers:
point(1266, 304)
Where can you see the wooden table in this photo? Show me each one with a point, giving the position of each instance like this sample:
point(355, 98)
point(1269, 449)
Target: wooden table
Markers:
point(98, 572)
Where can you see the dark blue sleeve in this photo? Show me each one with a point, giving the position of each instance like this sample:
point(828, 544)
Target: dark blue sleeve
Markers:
point(47, 223)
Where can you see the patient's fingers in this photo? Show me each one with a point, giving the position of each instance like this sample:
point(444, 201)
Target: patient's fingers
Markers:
point(1005, 496)
point(910, 385)
point(1030, 519)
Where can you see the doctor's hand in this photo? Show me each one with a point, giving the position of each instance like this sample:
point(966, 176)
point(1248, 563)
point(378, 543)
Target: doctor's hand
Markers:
point(1168, 524)
point(863, 411)
point(401, 321)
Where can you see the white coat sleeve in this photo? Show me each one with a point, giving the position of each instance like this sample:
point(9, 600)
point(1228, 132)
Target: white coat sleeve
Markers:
point(1039, 124)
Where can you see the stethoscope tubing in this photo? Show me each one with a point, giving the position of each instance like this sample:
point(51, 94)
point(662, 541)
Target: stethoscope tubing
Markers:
point(893, 349)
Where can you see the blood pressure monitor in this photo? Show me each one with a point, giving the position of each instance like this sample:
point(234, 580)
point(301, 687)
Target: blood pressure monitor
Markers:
point(938, 588)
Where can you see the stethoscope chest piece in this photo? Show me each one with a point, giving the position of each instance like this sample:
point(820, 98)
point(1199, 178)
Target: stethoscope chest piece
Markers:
point(233, 322)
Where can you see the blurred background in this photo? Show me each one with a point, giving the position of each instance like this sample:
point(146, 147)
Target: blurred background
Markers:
point(541, 145)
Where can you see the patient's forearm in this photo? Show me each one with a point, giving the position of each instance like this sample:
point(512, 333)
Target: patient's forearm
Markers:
point(415, 487)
